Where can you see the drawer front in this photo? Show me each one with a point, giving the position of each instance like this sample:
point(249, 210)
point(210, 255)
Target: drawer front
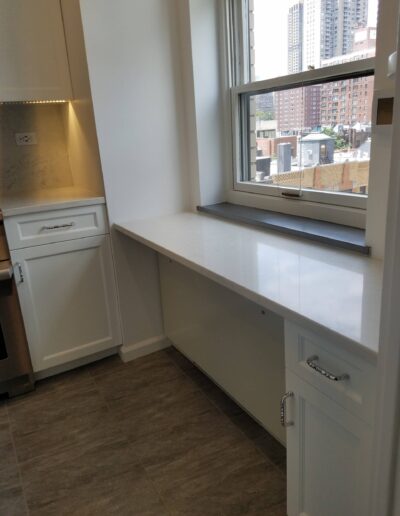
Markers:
point(344, 377)
point(53, 226)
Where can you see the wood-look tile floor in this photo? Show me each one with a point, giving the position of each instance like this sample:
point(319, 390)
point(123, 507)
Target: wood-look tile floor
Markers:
point(151, 437)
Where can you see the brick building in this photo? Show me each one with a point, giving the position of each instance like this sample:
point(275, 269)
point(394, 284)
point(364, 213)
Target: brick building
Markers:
point(298, 109)
point(349, 102)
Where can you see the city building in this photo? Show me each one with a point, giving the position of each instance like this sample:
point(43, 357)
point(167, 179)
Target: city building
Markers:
point(350, 102)
point(295, 36)
point(329, 27)
point(298, 109)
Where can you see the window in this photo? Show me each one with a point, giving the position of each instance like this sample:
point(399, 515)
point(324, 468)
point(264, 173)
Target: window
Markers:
point(298, 69)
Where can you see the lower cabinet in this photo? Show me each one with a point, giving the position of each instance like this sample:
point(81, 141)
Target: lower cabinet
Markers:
point(327, 412)
point(68, 299)
point(328, 455)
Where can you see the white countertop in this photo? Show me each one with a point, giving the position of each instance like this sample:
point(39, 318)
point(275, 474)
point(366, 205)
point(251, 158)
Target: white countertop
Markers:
point(48, 199)
point(320, 287)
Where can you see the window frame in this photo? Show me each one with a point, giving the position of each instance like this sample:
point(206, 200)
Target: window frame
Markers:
point(241, 86)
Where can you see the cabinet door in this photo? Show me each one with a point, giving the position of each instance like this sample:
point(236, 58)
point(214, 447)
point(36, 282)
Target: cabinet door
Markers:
point(33, 55)
point(68, 299)
point(328, 453)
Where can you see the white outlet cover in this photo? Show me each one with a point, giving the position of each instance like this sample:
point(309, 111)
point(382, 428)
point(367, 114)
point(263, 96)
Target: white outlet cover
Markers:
point(25, 139)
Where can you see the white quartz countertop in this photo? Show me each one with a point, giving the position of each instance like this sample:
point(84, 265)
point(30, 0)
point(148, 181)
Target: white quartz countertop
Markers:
point(326, 289)
point(48, 199)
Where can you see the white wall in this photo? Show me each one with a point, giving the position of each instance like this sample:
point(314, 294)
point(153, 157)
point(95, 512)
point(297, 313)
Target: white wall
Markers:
point(135, 76)
point(79, 119)
point(200, 32)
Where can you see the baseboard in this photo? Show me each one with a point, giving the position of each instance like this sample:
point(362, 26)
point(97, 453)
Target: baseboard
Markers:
point(144, 347)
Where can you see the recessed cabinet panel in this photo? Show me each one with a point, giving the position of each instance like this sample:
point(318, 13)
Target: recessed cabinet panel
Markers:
point(68, 299)
point(328, 453)
point(33, 55)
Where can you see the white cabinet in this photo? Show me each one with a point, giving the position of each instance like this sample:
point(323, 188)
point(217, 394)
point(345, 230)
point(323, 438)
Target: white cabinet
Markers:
point(328, 417)
point(68, 299)
point(33, 55)
point(328, 455)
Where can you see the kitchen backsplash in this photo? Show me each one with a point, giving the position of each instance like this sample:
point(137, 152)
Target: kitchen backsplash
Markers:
point(33, 167)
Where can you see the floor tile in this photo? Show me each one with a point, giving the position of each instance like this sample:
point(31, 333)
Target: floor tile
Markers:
point(53, 406)
point(93, 428)
point(200, 470)
point(184, 363)
point(248, 425)
point(153, 437)
point(272, 449)
point(129, 494)
point(9, 474)
point(246, 491)
point(210, 431)
point(155, 418)
point(123, 382)
point(12, 502)
point(199, 378)
point(223, 401)
point(48, 479)
point(3, 411)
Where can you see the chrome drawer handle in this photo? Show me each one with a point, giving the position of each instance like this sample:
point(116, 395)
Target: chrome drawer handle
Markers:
point(18, 266)
point(58, 226)
point(311, 362)
point(285, 423)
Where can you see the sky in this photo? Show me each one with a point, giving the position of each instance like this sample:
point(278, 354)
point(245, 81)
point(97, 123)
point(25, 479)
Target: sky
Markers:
point(270, 31)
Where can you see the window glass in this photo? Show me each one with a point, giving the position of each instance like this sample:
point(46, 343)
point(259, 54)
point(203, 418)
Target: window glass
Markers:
point(291, 36)
point(316, 137)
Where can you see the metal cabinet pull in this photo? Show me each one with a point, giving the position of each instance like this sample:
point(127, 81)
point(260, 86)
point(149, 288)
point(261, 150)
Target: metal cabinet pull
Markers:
point(20, 272)
point(285, 423)
point(311, 362)
point(58, 226)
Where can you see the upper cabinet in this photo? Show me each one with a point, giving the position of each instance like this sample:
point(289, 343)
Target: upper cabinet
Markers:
point(33, 54)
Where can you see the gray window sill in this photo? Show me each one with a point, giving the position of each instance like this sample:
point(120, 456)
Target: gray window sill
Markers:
point(335, 235)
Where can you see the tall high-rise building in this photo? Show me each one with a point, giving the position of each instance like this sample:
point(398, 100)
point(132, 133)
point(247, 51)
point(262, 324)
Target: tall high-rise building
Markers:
point(329, 27)
point(295, 36)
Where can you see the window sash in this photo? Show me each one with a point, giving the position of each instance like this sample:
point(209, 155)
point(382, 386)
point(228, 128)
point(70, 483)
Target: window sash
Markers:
point(241, 132)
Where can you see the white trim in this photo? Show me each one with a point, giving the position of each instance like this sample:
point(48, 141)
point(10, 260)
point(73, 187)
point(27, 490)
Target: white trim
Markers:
point(321, 211)
point(385, 492)
point(358, 201)
point(326, 74)
point(46, 373)
point(144, 347)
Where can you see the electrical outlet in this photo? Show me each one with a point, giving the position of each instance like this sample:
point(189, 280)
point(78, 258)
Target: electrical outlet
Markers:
point(25, 139)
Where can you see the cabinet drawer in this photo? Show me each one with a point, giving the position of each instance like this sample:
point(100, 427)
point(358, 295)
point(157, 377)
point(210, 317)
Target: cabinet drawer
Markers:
point(48, 227)
point(322, 362)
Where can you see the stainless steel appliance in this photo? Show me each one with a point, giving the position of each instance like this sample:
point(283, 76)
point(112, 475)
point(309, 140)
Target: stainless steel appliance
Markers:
point(16, 375)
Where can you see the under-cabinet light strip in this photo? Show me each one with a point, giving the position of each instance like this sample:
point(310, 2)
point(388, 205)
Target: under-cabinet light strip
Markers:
point(61, 101)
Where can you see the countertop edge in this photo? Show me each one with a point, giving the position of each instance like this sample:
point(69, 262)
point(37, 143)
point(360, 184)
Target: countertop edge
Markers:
point(357, 347)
